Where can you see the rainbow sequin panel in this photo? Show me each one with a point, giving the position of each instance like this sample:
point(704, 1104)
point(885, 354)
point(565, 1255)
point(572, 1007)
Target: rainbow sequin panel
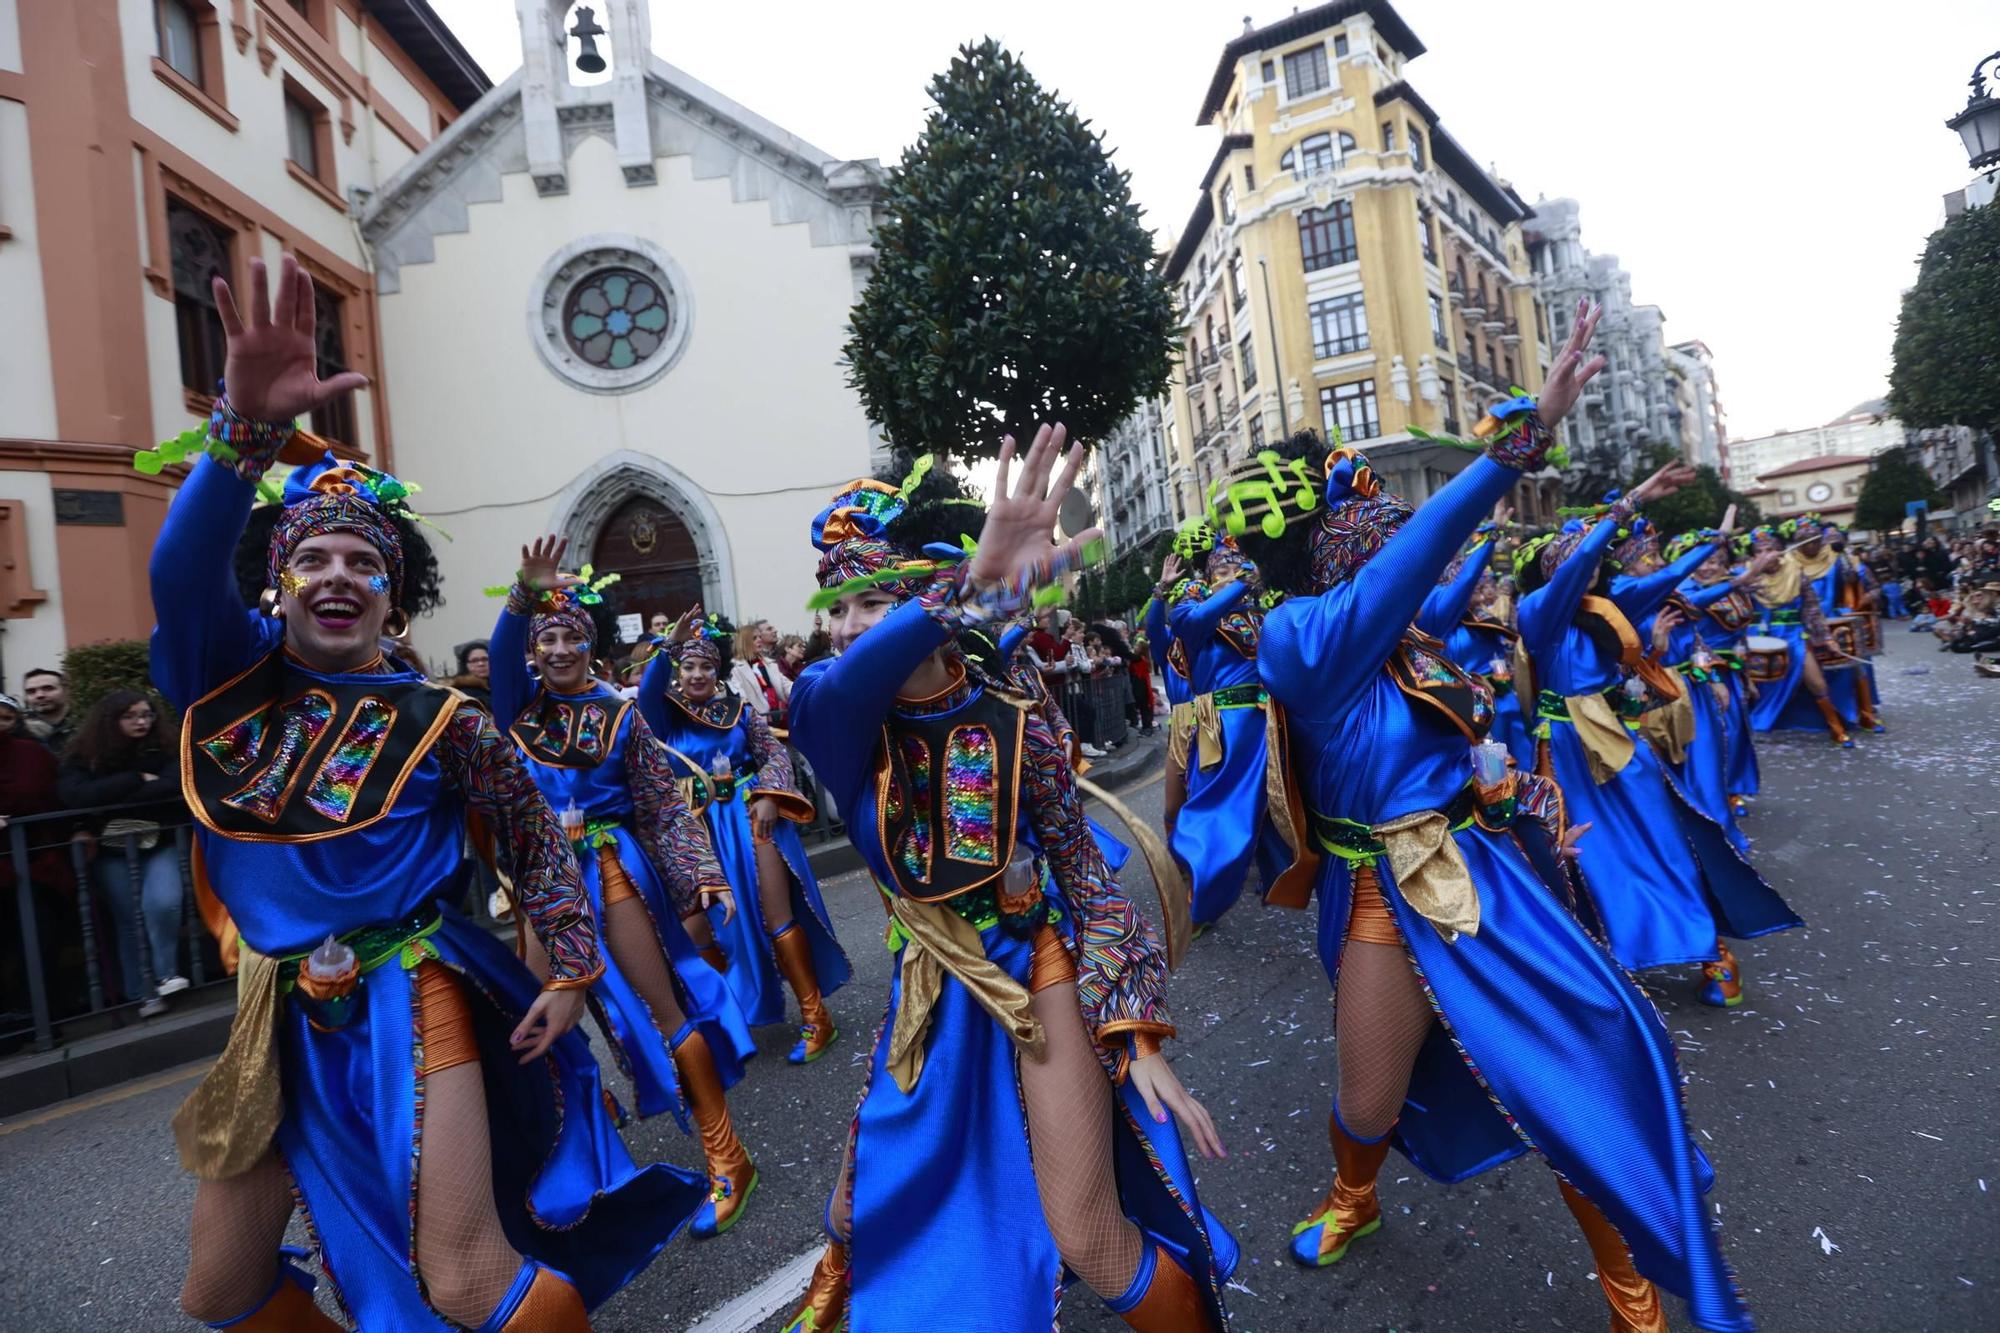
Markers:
point(969, 797)
point(301, 723)
point(556, 724)
point(913, 849)
point(591, 722)
point(235, 745)
point(335, 787)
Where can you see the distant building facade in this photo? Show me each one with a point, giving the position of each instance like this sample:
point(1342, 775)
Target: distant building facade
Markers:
point(1703, 424)
point(1828, 485)
point(1864, 430)
point(1130, 479)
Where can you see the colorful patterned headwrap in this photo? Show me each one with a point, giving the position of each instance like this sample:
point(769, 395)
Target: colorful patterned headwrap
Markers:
point(1803, 528)
point(856, 552)
point(1765, 538)
point(1225, 561)
point(709, 643)
point(1563, 546)
point(1360, 518)
point(570, 606)
point(1633, 541)
point(330, 496)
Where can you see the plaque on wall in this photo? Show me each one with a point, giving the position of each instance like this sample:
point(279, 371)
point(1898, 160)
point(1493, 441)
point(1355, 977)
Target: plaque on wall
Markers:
point(96, 509)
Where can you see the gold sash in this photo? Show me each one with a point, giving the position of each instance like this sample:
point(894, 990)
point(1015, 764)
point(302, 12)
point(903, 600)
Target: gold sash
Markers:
point(1606, 743)
point(226, 1124)
point(1671, 729)
point(1430, 872)
point(1207, 730)
point(941, 941)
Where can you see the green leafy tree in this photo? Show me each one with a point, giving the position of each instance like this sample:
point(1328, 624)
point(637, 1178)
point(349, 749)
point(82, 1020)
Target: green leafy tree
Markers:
point(1014, 280)
point(1948, 336)
point(1699, 504)
point(94, 670)
point(1895, 479)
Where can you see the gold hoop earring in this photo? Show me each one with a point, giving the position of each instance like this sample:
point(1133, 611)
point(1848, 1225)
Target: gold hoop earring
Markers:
point(397, 623)
point(268, 603)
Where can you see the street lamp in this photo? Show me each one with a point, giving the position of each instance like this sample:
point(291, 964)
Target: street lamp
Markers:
point(1979, 123)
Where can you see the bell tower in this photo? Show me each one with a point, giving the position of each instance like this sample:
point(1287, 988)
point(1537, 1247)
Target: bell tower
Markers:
point(619, 35)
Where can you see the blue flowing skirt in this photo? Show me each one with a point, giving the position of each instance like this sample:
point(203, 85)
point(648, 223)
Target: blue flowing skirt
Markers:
point(1222, 826)
point(1664, 879)
point(1546, 1043)
point(746, 938)
point(352, 1135)
point(637, 1042)
point(1742, 778)
point(945, 1203)
point(1510, 728)
point(1704, 774)
point(1786, 705)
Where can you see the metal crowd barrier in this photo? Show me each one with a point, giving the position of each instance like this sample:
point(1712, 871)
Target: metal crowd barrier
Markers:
point(1097, 706)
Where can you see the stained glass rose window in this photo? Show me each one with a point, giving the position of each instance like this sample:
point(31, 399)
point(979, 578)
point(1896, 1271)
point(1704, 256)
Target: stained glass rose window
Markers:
point(616, 318)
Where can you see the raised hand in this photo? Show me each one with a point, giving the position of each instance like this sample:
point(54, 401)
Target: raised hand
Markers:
point(1728, 521)
point(1570, 372)
point(1760, 564)
point(270, 369)
point(1016, 546)
point(683, 629)
point(1170, 571)
point(1670, 478)
point(1664, 625)
point(541, 564)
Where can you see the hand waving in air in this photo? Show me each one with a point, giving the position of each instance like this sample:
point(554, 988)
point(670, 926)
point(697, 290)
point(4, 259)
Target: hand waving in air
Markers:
point(270, 368)
point(541, 565)
point(1570, 372)
point(1016, 546)
point(684, 623)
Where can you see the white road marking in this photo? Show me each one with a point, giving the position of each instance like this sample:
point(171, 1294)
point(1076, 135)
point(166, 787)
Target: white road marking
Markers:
point(779, 1289)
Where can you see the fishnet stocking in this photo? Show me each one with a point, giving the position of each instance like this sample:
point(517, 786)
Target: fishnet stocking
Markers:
point(1069, 1133)
point(238, 1226)
point(774, 887)
point(1381, 1018)
point(635, 947)
point(463, 1257)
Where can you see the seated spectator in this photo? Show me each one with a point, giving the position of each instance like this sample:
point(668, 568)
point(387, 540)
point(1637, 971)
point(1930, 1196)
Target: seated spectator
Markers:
point(125, 752)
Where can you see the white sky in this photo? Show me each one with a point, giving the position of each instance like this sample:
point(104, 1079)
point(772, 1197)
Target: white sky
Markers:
point(1767, 170)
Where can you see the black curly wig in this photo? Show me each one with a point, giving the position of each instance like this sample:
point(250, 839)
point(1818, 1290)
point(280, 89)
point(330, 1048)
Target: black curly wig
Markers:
point(943, 508)
point(1286, 561)
point(421, 578)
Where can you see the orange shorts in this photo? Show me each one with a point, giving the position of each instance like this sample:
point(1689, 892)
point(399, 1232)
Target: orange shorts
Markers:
point(444, 1016)
point(1052, 964)
point(1368, 919)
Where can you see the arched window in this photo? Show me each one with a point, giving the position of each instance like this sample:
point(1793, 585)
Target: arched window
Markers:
point(1318, 153)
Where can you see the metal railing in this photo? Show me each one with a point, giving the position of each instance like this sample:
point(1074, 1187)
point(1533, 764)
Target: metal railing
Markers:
point(1097, 705)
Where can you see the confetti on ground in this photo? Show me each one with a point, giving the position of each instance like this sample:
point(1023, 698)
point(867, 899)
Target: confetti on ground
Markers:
point(1826, 1245)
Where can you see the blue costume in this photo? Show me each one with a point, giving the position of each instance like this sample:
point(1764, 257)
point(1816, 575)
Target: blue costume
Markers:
point(1223, 824)
point(1379, 727)
point(752, 764)
point(964, 808)
point(1664, 878)
point(1726, 617)
point(1702, 765)
point(1792, 612)
point(1483, 647)
point(334, 805)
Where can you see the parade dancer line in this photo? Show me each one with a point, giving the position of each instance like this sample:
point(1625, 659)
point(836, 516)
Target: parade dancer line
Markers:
point(1791, 611)
point(1467, 996)
point(1019, 1121)
point(673, 1023)
point(742, 776)
point(1727, 612)
point(443, 1126)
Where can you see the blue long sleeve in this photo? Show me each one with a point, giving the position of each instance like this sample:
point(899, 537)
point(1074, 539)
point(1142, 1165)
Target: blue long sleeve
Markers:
point(1639, 597)
point(1159, 635)
point(203, 634)
point(1444, 605)
point(1317, 654)
point(1701, 596)
point(1197, 621)
point(507, 660)
point(838, 705)
point(653, 683)
point(1547, 611)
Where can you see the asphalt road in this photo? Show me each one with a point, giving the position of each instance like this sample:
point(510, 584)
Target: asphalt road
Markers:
point(1847, 1106)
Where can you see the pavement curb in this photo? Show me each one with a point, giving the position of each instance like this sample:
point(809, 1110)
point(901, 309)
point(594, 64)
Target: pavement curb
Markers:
point(91, 1064)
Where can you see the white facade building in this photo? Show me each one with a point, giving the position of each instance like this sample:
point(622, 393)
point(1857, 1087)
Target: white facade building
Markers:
point(1704, 426)
point(1862, 431)
point(1632, 403)
point(1130, 479)
point(615, 312)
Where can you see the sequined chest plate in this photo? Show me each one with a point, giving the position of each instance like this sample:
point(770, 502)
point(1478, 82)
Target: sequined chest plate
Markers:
point(948, 795)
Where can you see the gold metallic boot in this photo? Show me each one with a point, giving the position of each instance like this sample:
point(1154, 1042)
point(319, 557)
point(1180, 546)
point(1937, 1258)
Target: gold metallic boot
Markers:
point(824, 1309)
point(1834, 723)
point(731, 1174)
point(1350, 1210)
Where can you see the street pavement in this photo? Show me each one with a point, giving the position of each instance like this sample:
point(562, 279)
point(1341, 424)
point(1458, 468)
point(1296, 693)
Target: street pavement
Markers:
point(1848, 1106)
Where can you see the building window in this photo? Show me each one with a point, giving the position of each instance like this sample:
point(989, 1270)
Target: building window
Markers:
point(1339, 45)
point(302, 119)
point(1226, 201)
point(615, 319)
point(1249, 178)
point(1425, 236)
point(1305, 71)
point(1388, 136)
point(1269, 71)
point(178, 27)
point(1238, 279)
point(1247, 355)
point(1417, 147)
point(1437, 321)
point(1450, 404)
point(1256, 431)
point(335, 421)
point(1318, 154)
point(1541, 322)
point(1339, 326)
point(1326, 235)
point(1350, 409)
point(608, 313)
point(1512, 378)
point(201, 251)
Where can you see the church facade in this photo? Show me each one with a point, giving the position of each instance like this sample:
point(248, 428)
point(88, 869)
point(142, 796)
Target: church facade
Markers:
point(614, 311)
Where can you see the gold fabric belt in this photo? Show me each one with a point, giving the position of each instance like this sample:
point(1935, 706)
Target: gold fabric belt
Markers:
point(940, 941)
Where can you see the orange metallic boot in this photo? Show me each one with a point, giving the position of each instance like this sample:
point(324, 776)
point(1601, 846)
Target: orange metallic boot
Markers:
point(824, 1309)
point(1164, 1298)
point(1635, 1302)
point(1350, 1210)
point(1834, 723)
point(731, 1174)
point(816, 1029)
point(1722, 984)
point(288, 1309)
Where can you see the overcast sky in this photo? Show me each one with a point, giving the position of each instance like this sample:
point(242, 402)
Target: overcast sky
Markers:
point(1767, 170)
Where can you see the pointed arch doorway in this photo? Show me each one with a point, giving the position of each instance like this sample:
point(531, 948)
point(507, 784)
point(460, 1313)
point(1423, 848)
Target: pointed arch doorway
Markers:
point(655, 555)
